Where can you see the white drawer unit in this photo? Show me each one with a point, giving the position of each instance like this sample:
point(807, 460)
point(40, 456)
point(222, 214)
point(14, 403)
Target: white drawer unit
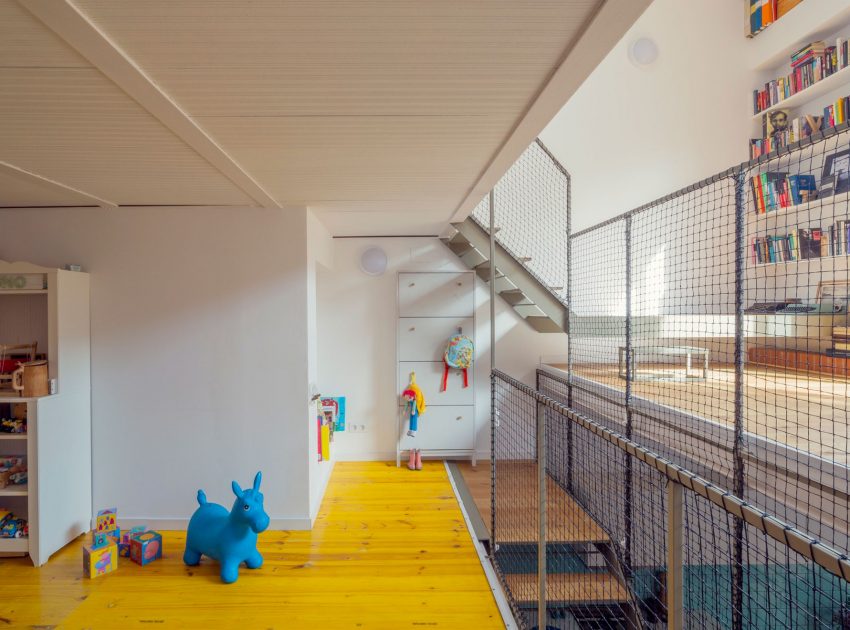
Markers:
point(443, 429)
point(425, 338)
point(430, 375)
point(436, 294)
point(432, 307)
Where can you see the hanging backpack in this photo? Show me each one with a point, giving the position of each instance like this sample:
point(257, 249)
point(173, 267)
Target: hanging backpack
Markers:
point(458, 355)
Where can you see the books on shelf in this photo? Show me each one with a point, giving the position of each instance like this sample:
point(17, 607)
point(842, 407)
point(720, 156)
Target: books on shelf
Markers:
point(802, 244)
point(779, 130)
point(809, 65)
point(763, 13)
point(772, 190)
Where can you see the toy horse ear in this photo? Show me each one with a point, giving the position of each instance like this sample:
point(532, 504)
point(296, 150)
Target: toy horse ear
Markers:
point(236, 489)
point(257, 479)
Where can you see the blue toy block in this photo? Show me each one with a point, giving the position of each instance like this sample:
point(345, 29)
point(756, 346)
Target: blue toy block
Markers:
point(229, 537)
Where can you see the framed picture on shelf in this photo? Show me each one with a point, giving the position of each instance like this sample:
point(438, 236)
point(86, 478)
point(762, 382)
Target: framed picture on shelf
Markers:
point(837, 166)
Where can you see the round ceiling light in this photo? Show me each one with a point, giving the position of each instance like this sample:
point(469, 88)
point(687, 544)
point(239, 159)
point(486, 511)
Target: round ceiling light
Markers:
point(643, 51)
point(373, 261)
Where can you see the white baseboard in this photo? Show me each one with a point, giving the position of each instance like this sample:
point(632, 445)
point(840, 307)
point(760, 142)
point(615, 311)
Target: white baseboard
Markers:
point(180, 524)
point(314, 512)
point(368, 456)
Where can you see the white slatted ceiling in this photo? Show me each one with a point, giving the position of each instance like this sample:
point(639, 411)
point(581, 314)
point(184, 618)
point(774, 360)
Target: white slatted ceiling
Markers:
point(18, 192)
point(62, 119)
point(366, 107)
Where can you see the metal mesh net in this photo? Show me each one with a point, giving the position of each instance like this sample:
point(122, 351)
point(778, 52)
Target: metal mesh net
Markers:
point(710, 327)
point(532, 194)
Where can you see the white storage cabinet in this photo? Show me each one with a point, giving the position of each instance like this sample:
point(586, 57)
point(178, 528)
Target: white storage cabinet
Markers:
point(432, 307)
point(57, 500)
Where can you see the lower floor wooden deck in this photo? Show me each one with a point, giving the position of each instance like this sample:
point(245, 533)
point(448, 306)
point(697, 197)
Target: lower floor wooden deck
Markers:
point(517, 525)
point(389, 549)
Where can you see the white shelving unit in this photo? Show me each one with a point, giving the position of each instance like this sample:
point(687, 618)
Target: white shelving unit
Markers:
point(811, 93)
point(57, 500)
point(810, 20)
point(769, 54)
point(433, 306)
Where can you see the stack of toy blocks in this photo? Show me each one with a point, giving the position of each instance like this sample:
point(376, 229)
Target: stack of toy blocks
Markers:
point(101, 556)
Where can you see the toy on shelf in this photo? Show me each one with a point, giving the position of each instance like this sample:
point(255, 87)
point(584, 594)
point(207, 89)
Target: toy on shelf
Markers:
point(145, 547)
point(12, 425)
point(458, 355)
point(229, 537)
point(13, 471)
point(11, 526)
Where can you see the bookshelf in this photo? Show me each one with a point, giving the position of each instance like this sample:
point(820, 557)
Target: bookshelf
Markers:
point(814, 204)
point(808, 21)
point(811, 93)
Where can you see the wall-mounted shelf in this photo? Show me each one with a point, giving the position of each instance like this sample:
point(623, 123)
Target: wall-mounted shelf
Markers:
point(807, 22)
point(24, 292)
point(13, 436)
point(14, 545)
point(802, 260)
point(824, 86)
point(844, 197)
point(15, 491)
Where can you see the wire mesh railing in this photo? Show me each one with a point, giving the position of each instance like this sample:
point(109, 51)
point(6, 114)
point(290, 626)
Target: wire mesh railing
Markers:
point(532, 216)
point(711, 328)
point(699, 557)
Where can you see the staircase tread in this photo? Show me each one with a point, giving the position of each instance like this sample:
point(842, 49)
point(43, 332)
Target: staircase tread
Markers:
point(593, 587)
point(516, 510)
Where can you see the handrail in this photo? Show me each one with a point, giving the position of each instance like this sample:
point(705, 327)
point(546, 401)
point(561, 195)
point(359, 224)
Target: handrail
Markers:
point(826, 557)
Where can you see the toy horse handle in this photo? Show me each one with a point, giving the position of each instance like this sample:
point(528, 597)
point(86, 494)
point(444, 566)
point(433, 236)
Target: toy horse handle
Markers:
point(202, 497)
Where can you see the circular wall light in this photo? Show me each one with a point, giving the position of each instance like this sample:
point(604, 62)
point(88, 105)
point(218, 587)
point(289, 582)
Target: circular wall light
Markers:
point(373, 261)
point(643, 52)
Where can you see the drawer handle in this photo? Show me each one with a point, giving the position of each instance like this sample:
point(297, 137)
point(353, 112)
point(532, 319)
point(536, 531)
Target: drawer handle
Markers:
point(412, 284)
point(412, 328)
point(460, 284)
point(459, 418)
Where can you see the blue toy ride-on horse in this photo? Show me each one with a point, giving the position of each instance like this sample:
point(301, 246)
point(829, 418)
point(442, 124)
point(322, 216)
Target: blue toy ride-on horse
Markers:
point(229, 537)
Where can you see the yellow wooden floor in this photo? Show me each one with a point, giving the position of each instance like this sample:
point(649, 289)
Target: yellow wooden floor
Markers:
point(389, 550)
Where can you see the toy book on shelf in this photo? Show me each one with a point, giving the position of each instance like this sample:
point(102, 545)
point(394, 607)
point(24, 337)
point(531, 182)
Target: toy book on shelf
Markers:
point(11, 526)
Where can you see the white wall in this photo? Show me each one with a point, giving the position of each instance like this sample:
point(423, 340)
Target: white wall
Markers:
point(319, 253)
point(357, 341)
point(199, 351)
point(631, 135)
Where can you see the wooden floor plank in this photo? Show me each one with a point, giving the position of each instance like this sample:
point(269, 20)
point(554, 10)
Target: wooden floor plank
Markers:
point(516, 508)
point(389, 550)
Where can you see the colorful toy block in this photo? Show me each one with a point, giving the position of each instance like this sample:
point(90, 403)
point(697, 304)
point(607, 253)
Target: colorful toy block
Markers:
point(124, 544)
point(107, 521)
point(101, 560)
point(145, 547)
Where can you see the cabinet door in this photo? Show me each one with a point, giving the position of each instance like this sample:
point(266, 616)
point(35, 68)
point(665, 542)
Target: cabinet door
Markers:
point(425, 338)
point(429, 376)
point(443, 428)
point(436, 294)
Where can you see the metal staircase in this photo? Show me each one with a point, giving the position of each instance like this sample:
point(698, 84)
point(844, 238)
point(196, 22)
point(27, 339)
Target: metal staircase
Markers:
point(515, 283)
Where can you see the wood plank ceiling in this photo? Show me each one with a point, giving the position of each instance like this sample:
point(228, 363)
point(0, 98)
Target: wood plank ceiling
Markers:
point(381, 115)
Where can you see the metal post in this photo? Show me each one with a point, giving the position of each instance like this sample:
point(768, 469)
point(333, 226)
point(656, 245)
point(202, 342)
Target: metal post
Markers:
point(629, 472)
point(493, 489)
point(570, 463)
point(541, 516)
point(675, 568)
point(738, 446)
